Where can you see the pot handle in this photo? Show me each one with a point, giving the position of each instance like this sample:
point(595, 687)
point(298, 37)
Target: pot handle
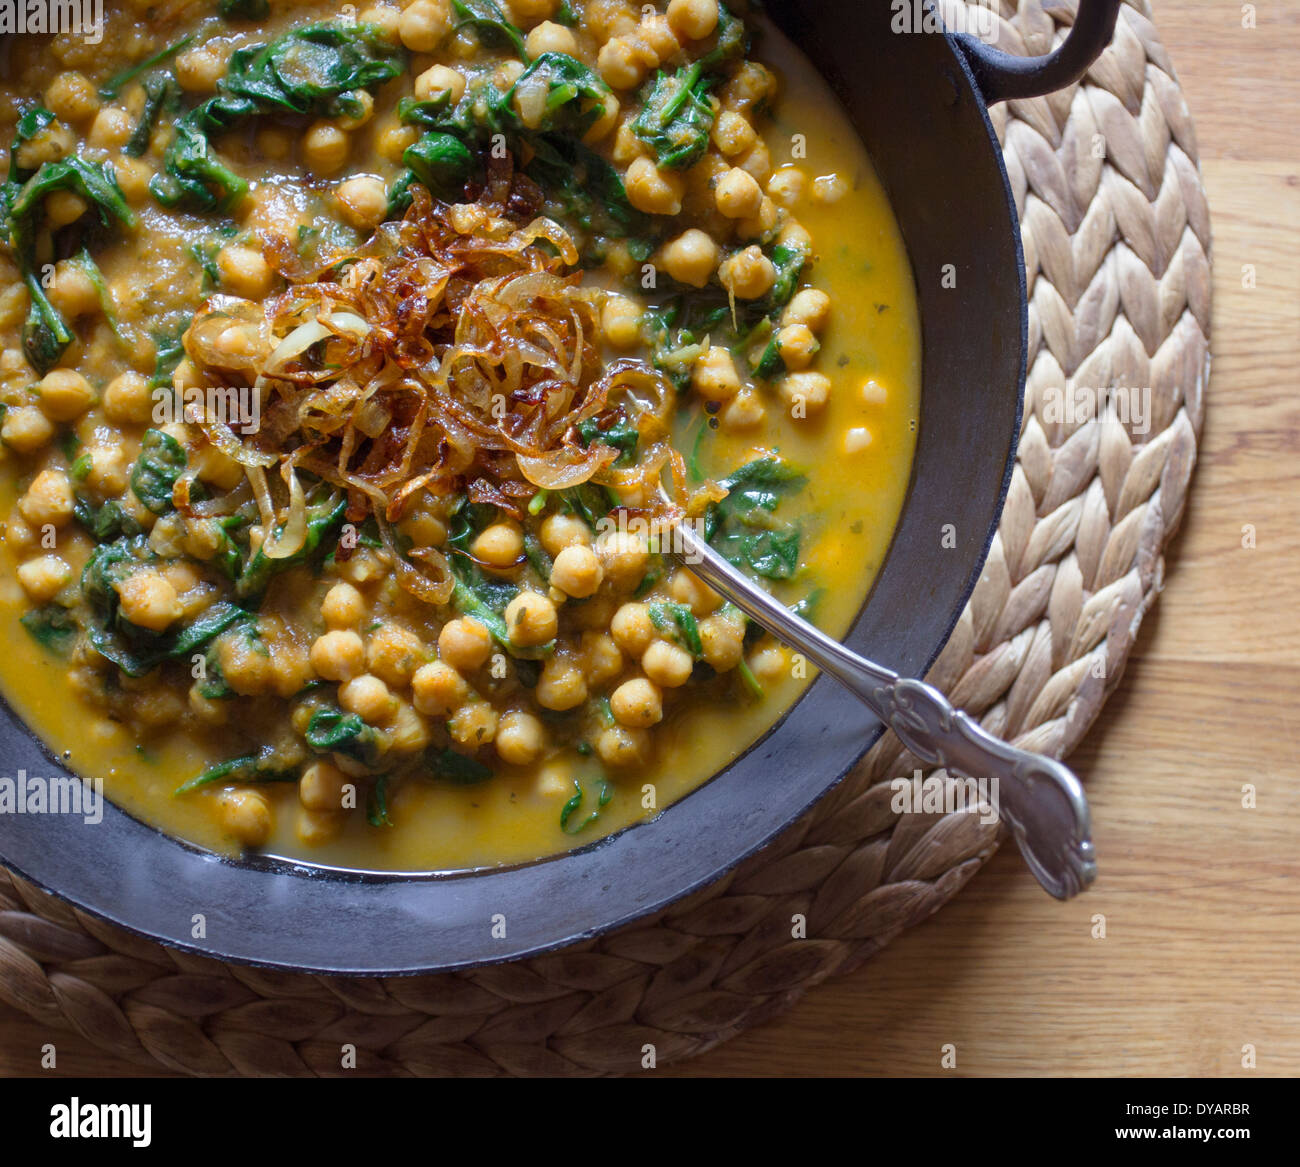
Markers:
point(1004, 76)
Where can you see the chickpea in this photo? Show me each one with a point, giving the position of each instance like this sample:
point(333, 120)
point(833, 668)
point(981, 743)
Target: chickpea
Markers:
point(437, 688)
point(714, 376)
point(501, 545)
point(520, 739)
point(601, 659)
point(369, 698)
point(795, 234)
point(363, 200)
point(441, 79)
point(690, 258)
point(559, 531)
point(768, 664)
point(323, 787)
point(244, 272)
point(531, 619)
point(747, 274)
point(385, 18)
point(797, 345)
point(693, 19)
point(637, 703)
point(314, 827)
point(856, 439)
point(738, 194)
point(619, 746)
point(49, 499)
point(464, 644)
point(757, 160)
point(872, 392)
point(577, 571)
point(364, 111)
point(723, 641)
point(339, 655)
point(391, 142)
point(14, 302)
point(744, 411)
point(811, 307)
point(762, 224)
point(63, 207)
point(622, 62)
point(787, 185)
point(655, 191)
point(829, 188)
point(111, 129)
point(209, 710)
point(325, 147)
point(624, 557)
point(424, 24)
point(343, 606)
point(667, 664)
point(529, 11)
point(632, 628)
point(627, 145)
point(473, 724)
point(604, 125)
point(25, 429)
point(687, 588)
point(133, 176)
point(561, 685)
point(393, 654)
point(408, 732)
point(657, 34)
point(71, 97)
point(42, 578)
point(72, 291)
point(549, 37)
point(149, 601)
point(198, 70)
point(246, 814)
point(733, 134)
point(127, 398)
point(65, 394)
point(806, 393)
point(620, 321)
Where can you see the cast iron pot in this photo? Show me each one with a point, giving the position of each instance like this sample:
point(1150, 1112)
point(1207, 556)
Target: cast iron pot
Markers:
point(920, 102)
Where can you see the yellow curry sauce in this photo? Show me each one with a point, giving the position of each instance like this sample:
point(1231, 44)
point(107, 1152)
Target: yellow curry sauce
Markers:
point(148, 735)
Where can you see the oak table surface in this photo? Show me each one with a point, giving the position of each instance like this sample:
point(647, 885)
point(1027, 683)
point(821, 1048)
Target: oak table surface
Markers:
point(1202, 919)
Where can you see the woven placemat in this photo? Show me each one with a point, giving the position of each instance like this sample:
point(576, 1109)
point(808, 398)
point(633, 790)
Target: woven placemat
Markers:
point(1117, 244)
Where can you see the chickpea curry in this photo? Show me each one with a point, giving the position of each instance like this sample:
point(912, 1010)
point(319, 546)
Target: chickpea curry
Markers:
point(355, 368)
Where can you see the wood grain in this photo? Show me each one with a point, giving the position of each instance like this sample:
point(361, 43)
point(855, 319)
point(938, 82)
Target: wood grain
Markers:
point(1198, 894)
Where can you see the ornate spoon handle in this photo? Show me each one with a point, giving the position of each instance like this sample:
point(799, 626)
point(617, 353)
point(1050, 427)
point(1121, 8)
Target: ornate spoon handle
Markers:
point(1039, 798)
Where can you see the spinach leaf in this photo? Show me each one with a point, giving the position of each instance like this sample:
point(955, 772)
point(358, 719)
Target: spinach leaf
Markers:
point(489, 22)
point(600, 797)
point(743, 526)
point(679, 622)
point(440, 161)
point(589, 500)
point(160, 91)
point(333, 731)
point(676, 117)
point(473, 593)
point(259, 767)
point(323, 521)
point(107, 521)
point(169, 350)
point(161, 462)
point(622, 435)
point(120, 81)
point(453, 766)
point(569, 86)
point(45, 333)
point(52, 627)
point(312, 70)
point(377, 804)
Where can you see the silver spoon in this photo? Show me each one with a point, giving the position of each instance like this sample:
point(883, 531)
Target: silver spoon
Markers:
point(1040, 799)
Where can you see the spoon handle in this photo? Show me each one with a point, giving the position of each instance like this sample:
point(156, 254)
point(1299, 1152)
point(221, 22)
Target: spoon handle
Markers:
point(1036, 796)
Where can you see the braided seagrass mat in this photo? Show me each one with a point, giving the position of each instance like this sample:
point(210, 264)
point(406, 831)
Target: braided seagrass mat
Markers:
point(1117, 244)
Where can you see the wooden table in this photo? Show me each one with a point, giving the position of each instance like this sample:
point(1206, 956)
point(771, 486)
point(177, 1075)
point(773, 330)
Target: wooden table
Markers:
point(1197, 893)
